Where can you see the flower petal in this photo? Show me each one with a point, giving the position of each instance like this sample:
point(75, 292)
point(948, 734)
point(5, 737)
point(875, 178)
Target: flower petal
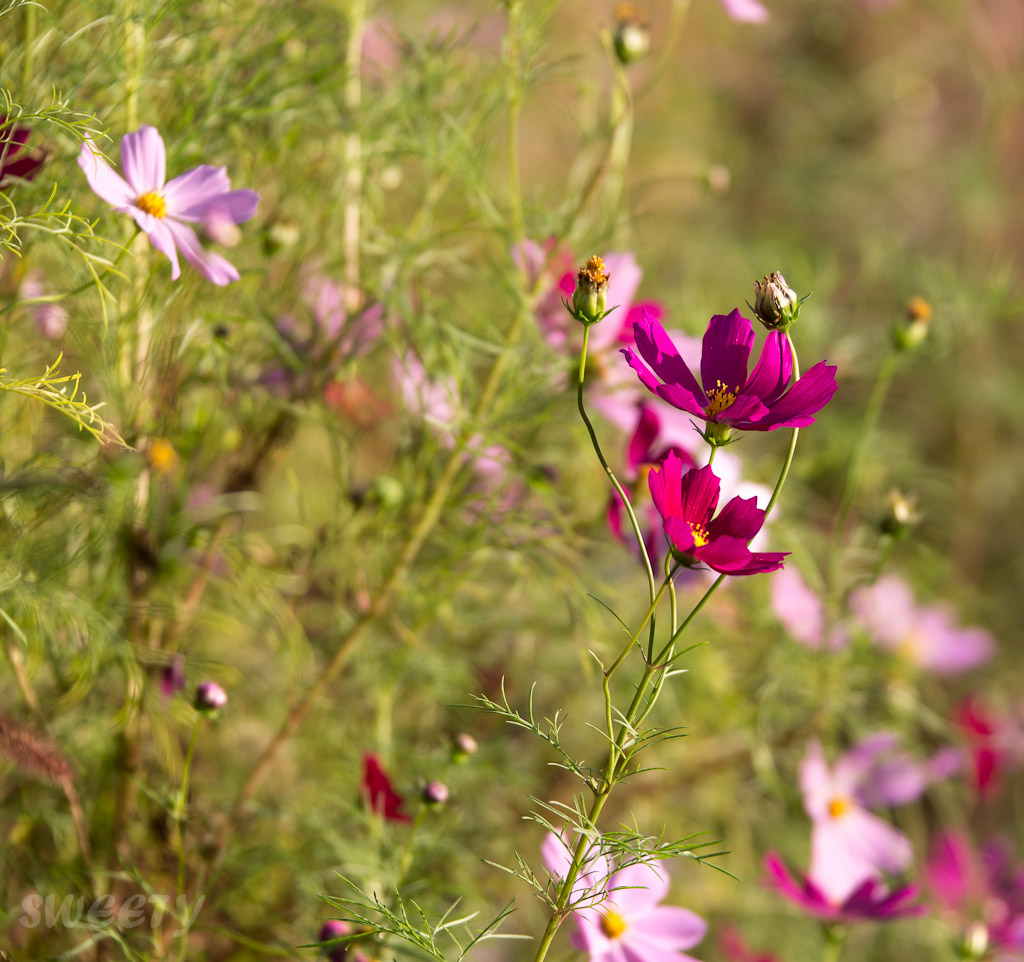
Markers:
point(657, 349)
point(669, 925)
point(746, 11)
point(635, 889)
point(144, 159)
point(700, 490)
point(212, 266)
point(773, 370)
point(159, 236)
point(806, 397)
point(726, 352)
point(740, 518)
point(666, 485)
point(192, 195)
point(104, 182)
point(680, 534)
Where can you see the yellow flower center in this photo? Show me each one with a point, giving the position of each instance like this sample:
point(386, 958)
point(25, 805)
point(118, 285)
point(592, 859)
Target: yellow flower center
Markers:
point(152, 203)
point(613, 924)
point(721, 398)
point(700, 535)
point(162, 456)
point(838, 806)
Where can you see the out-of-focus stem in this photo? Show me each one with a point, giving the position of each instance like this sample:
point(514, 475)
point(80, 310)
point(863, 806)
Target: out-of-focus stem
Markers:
point(134, 53)
point(514, 95)
point(178, 816)
point(637, 533)
point(353, 152)
point(28, 47)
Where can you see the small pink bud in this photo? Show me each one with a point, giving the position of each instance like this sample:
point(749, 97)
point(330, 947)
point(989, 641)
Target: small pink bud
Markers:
point(210, 696)
point(435, 793)
point(463, 746)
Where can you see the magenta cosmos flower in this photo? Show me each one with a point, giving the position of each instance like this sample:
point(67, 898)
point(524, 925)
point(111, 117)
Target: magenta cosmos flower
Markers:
point(622, 920)
point(764, 400)
point(687, 503)
point(378, 792)
point(16, 159)
point(164, 209)
point(869, 900)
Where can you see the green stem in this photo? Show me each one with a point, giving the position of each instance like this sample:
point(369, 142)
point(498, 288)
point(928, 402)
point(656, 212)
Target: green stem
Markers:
point(353, 152)
point(28, 47)
point(637, 533)
point(178, 817)
point(835, 939)
point(515, 97)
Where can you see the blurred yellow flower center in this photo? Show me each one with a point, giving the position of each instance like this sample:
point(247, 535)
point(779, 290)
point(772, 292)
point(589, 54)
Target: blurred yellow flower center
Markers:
point(152, 203)
point(700, 535)
point(613, 924)
point(162, 456)
point(721, 398)
point(838, 806)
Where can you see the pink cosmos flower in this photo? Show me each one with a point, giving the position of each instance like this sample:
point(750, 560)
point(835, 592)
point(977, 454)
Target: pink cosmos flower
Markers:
point(849, 845)
point(16, 159)
point(760, 401)
point(802, 612)
point(926, 636)
point(624, 921)
point(164, 209)
point(687, 503)
point(745, 11)
point(870, 900)
point(378, 792)
point(50, 317)
point(983, 886)
point(735, 949)
point(995, 742)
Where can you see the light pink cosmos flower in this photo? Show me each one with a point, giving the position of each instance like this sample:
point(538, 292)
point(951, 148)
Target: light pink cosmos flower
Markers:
point(849, 845)
point(746, 11)
point(622, 921)
point(164, 209)
point(50, 317)
point(802, 612)
point(927, 636)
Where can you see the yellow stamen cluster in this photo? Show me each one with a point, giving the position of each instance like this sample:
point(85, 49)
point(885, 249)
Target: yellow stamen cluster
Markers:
point(839, 806)
point(152, 203)
point(613, 924)
point(721, 398)
point(593, 274)
point(700, 534)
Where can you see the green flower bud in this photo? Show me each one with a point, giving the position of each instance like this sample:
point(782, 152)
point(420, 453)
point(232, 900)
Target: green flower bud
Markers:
point(632, 37)
point(900, 515)
point(914, 329)
point(590, 299)
point(775, 302)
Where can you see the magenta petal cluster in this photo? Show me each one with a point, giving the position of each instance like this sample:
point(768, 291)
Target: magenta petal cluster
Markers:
point(623, 920)
point(762, 400)
point(869, 900)
point(687, 503)
point(164, 209)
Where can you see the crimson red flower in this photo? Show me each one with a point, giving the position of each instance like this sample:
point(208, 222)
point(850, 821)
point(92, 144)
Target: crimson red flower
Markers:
point(687, 503)
point(379, 793)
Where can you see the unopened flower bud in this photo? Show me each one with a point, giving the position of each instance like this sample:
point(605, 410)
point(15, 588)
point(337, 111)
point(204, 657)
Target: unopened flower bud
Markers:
point(280, 235)
point(912, 332)
point(900, 515)
point(589, 300)
point(210, 697)
point(632, 36)
point(775, 302)
point(435, 793)
point(463, 746)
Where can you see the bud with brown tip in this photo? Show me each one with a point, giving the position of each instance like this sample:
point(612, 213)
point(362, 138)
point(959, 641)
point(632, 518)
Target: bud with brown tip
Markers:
point(775, 302)
point(912, 332)
point(632, 36)
point(590, 299)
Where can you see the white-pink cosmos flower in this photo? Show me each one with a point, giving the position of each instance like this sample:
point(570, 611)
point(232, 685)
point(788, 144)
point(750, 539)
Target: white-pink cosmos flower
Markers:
point(619, 918)
point(164, 209)
point(745, 11)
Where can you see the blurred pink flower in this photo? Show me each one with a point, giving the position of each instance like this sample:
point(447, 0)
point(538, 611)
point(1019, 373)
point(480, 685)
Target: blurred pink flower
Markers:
point(802, 612)
point(927, 636)
point(746, 11)
point(623, 921)
point(849, 845)
point(994, 742)
point(869, 900)
point(735, 949)
point(983, 886)
point(50, 317)
point(165, 209)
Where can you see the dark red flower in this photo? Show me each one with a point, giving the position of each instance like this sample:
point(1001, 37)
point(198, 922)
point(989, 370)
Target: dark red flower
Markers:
point(687, 503)
point(16, 160)
point(379, 793)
